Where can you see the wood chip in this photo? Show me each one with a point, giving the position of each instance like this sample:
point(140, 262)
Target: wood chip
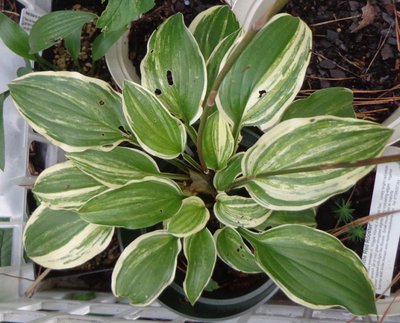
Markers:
point(368, 17)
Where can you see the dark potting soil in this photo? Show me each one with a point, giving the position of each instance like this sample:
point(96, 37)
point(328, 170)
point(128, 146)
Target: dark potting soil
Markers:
point(60, 57)
point(142, 28)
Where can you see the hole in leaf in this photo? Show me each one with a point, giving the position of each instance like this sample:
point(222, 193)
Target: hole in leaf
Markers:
point(102, 134)
point(107, 146)
point(261, 94)
point(157, 92)
point(170, 79)
point(101, 102)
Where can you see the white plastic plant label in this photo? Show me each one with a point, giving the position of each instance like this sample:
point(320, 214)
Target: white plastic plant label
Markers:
point(28, 18)
point(382, 237)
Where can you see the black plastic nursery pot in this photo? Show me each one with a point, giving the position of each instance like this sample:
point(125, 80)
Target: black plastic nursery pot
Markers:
point(211, 306)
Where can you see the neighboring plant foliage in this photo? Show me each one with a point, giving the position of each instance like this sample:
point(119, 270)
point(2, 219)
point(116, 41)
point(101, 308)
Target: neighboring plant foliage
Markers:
point(256, 198)
point(66, 26)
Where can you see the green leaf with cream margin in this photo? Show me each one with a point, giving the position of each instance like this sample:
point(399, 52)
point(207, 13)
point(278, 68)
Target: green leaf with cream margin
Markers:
point(218, 143)
point(157, 131)
point(237, 211)
point(201, 254)
point(60, 239)
point(52, 27)
point(305, 142)
point(190, 219)
point(137, 204)
point(148, 262)
point(226, 176)
point(265, 79)
point(211, 26)
point(233, 251)
point(335, 101)
point(313, 268)
point(177, 77)
point(64, 186)
point(116, 167)
point(72, 111)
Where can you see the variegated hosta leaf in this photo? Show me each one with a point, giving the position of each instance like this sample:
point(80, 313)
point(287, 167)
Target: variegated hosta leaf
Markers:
point(237, 211)
point(313, 268)
point(234, 252)
point(191, 218)
point(177, 76)
point(73, 111)
point(146, 267)
point(225, 177)
point(55, 25)
point(277, 218)
point(303, 142)
point(335, 101)
point(60, 239)
point(217, 56)
point(65, 186)
point(137, 204)
point(158, 132)
point(218, 142)
point(211, 26)
point(201, 255)
point(116, 167)
point(265, 79)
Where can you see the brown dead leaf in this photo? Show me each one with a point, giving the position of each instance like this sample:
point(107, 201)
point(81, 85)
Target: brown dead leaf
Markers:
point(368, 17)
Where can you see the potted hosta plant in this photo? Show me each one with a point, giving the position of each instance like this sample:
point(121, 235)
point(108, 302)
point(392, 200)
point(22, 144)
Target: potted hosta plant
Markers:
point(174, 155)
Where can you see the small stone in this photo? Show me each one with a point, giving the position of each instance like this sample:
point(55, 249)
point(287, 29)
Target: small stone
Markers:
point(354, 5)
point(387, 52)
point(336, 73)
point(327, 64)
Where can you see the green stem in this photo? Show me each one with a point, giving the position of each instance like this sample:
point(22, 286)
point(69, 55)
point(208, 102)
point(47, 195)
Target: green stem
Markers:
point(178, 164)
point(192, 162)
point(210, 101)
point(46, 63)
point(178, 177)
point(359, 163)
point(192, 133)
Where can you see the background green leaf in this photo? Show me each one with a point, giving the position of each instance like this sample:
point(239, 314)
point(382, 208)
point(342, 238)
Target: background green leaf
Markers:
point(6, 237)
point(314, 268)
point(14, 37)
point(149, 262)
point(72, 42)
point(52, 27)
point(3, 97)
point(118, 14)
point(104, 41)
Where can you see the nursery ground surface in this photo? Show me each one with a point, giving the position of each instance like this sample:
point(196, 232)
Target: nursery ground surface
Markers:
point(355, 44)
